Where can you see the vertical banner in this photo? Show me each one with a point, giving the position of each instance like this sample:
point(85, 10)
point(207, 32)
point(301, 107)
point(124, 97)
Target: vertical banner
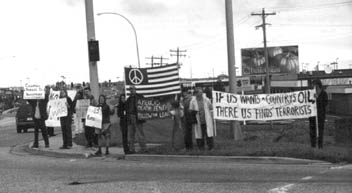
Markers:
point(56, 109)
point(94, 117)
point(33, 91)
point(264, 107)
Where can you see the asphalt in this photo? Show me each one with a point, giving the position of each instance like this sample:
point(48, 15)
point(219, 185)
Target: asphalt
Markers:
point(81, 152)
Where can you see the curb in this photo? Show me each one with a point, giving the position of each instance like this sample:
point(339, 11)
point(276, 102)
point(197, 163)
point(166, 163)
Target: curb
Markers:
point(154, 157)
point(247, 159)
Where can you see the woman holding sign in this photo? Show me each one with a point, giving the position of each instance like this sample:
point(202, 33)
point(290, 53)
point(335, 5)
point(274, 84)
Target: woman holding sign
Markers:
point(104, 132)
point(66, 121)
point(204, 126)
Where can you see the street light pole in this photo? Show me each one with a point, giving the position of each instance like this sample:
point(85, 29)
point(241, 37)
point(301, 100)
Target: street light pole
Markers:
point(134, 30)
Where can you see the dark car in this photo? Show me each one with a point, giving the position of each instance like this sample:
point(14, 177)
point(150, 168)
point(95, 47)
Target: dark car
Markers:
point(24, 119)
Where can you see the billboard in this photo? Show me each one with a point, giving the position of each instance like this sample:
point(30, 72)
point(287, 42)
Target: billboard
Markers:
point(282, 59)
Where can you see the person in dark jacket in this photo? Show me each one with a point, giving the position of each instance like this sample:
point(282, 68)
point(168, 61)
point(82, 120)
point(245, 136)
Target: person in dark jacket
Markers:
point(66, 121)
point(134, 124)
point(187, 118)
point(322, 101)
point(39, 115)
point(121, 113)
point(104, 132)
point(89, 132)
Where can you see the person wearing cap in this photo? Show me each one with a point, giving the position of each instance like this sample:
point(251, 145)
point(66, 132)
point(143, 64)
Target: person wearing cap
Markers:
point(322, 101)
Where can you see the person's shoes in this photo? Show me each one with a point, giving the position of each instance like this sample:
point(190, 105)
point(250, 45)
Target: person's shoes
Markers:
point(107, 152)
point(64, 147)
point(46, 146)
point(35, 147)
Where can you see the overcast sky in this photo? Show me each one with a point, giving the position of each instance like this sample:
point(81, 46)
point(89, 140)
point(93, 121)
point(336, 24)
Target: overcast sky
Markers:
point(43, 40)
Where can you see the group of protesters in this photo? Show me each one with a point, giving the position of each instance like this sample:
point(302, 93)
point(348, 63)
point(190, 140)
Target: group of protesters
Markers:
point(192, 112)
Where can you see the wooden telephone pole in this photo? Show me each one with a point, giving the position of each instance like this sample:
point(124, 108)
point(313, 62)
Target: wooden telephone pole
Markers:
point(178, 54)
point(263, 25)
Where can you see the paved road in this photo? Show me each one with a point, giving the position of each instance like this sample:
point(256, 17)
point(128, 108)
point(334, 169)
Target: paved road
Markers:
point(22, 172)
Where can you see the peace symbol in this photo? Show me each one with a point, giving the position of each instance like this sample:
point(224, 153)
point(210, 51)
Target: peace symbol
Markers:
point(135, 76)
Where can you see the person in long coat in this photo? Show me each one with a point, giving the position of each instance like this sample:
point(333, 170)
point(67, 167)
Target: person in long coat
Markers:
point(204, 129)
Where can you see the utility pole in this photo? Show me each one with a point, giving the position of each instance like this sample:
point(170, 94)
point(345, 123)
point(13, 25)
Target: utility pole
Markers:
point(235, 129)
point(178, 55)
point(152, 61)
point(161, 58)
point(263, 25)
point(93, 68)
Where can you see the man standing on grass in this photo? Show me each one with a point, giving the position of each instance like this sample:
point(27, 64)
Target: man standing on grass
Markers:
point(187, 121)
point(134, 124)
point(322, 102)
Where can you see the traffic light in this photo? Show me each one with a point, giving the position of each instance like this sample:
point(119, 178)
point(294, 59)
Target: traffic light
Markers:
point(93, 50)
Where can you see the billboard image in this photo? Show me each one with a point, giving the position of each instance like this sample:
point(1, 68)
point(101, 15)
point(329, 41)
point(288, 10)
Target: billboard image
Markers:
point(282, 59)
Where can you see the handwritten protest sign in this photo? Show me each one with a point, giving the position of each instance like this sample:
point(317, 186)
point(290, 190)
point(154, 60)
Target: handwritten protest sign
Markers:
point(94, 117)
point(153, 108)
point(33, 91)
point(56, 109)
point(293, 105)
point(82, 108)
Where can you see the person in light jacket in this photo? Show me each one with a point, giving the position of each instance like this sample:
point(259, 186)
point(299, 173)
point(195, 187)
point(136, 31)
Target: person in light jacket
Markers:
point(204, 129)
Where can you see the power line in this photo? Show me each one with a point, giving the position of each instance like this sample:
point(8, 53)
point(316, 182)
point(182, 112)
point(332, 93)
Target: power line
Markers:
point(161, 58)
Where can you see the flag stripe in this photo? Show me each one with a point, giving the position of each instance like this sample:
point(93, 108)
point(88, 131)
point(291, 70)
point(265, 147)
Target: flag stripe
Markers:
point(163, 68)
point(139, 90)
point(157, 85)
point(158, 90)
point(162, 79)
point(166, 73)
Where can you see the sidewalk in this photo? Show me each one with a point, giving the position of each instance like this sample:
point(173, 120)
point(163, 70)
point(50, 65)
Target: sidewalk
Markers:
point(78, 151)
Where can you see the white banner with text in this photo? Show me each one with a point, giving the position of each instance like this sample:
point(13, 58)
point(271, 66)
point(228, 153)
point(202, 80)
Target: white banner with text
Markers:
point(263, 107)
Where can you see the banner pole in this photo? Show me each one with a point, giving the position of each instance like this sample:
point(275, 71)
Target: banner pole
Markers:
point(316, 118)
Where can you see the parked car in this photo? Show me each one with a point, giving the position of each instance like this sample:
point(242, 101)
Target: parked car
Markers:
point(24, 119)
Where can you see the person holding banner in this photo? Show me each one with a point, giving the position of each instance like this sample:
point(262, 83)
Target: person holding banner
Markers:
point(134, 124)
point(322, 102)
point(66, 121)
point(204, 129)
point(39, 115)
point(104, 133)
point(121, 113)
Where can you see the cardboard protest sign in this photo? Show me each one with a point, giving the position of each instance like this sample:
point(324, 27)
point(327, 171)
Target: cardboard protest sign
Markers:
point(56, 109)
point(82, 107)
point(33, 91)
point(94, 117)
point(153, 108)
point(293, 105)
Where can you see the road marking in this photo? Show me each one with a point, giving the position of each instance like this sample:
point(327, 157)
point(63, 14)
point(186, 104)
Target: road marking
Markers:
point(307, 178)
point(282, 189)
